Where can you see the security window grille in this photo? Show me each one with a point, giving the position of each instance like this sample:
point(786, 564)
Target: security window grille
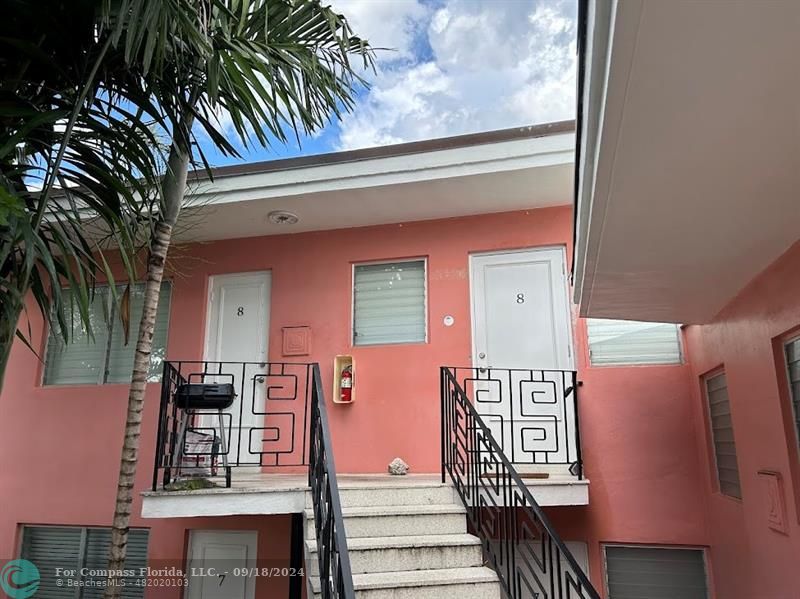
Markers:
point(107, 359)
point(793, 369)
point(627, 342)
point(655, 573)
point(719, 409)
point(75, 548)
point(389, 303)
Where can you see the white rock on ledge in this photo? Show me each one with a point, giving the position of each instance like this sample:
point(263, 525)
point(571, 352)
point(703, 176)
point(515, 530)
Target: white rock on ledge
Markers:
point(398, 467)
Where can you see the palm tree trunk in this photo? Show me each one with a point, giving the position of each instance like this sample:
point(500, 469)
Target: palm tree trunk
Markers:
point(173, 189)
point(8, 331)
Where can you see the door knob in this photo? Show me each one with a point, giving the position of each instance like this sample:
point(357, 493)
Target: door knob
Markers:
point(481, 355)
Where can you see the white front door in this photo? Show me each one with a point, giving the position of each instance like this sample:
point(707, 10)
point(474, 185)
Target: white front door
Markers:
point(237, 334)
point(218, 560)
point(521, 344)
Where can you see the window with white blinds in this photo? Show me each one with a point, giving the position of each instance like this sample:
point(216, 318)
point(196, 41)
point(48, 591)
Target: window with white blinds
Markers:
point(627, 342)
point(106, 359)
point(719, 409)
point(655, 573)
point(77, 548)
point(389, 303)
point(793, 371)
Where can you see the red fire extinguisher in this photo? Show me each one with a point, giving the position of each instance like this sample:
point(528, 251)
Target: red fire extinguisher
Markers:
point(346, 384)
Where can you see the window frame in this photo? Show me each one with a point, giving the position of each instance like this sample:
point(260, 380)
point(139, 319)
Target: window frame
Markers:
point(103, 374)
point(794, 413)
point(790, 432)
point(634, 364)
point(701, 549)
point(425, 292)
point(81, 558)
point(712, 447)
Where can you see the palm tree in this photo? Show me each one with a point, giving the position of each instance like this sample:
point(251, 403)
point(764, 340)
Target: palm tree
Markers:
point(274, 66)
point(77, 170)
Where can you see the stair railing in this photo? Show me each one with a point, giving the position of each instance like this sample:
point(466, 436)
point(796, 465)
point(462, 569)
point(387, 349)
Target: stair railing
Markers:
point(335, 574)
point(518, 540)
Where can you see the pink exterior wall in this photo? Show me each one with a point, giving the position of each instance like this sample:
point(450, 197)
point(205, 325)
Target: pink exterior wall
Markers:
point(749, 558)
point(61, 444)
point(641, 459)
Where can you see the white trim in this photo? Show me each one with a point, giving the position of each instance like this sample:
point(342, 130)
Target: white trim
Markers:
point(424, 260)
point(612, 36)
point(544, 151)
point(223, 502)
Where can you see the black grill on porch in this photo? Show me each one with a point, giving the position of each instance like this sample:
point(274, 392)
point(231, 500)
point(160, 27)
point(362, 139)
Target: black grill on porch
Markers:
point(266, 426)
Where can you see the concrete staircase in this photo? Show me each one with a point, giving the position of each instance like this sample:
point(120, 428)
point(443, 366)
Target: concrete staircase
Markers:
point(407, 539)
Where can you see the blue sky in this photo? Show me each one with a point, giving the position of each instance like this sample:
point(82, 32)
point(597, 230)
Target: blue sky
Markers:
point(457, 66)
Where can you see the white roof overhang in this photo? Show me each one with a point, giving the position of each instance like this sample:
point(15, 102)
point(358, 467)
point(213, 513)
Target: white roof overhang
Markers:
point(689, 165)
point(499, 171)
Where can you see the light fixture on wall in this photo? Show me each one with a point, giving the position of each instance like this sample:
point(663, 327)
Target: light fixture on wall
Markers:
point(282, 217)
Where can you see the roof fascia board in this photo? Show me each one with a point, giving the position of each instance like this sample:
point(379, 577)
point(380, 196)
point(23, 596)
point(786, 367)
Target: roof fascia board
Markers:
point(612, 34)
point(543, 151)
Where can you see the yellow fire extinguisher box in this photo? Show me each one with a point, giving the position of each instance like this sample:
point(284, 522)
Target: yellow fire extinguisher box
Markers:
point(340, 363)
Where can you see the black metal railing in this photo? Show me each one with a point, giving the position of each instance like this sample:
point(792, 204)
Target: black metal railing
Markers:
point(532, 414)
point(518, 540)
point(265, 427)
point(336, 577)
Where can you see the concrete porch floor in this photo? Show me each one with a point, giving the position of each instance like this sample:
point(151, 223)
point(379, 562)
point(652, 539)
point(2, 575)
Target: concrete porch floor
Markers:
point(254, 492)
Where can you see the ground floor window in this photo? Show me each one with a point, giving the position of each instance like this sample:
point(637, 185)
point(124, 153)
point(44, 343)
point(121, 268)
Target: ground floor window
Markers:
point(655, 573)
point(69, 557)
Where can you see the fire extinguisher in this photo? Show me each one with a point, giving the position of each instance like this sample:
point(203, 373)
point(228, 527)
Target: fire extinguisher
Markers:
point(346, 384)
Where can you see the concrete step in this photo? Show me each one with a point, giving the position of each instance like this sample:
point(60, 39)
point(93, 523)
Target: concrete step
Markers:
point(394, 554)
point(398, 520)
point(450, 583)
point(364, 494)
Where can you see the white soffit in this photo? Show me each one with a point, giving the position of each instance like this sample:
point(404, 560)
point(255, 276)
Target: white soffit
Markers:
point(690, 178)
point(514, 174)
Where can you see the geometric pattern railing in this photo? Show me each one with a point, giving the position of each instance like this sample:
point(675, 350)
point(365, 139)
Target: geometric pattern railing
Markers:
point(336, 577)
point(266, 425)
point(518, 540)
point(279, 407)
point(533, 414)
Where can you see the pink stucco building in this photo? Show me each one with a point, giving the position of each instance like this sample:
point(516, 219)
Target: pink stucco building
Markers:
point(595, 385)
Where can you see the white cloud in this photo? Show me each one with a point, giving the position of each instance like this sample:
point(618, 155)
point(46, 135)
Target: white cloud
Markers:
point(389, 24)
point(469, 65)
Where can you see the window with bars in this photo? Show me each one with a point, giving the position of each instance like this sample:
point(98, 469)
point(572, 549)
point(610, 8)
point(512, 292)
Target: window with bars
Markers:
point(655, 573)
point(630, 342)
point(389, 303)
point(793, 374)
point(719, 410)
point(81, 548)
point(106, 359)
